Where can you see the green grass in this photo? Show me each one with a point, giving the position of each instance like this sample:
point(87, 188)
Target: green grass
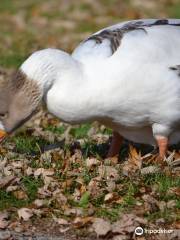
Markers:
point(164, 183)
point(28, 144)
point(174, 10)
point(58, 130)
point(11, 60)
point(84, 200)
point(8, 200)
point(30, 185)
point(109, 213)
point(81, 131)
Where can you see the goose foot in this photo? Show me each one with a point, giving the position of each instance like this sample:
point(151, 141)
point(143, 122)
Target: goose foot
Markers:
point(162, 143)
point(115, 146)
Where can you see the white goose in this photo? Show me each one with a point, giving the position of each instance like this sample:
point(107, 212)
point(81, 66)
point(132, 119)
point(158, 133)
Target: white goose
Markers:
point(126, 76)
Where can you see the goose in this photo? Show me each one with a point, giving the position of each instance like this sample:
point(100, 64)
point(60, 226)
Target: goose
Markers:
point(126, 76)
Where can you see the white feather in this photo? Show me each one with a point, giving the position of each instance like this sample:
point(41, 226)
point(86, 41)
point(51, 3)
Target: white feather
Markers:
point(133, 90)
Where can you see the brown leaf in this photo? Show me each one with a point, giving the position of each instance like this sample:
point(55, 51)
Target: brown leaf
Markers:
point(82, 221)
point(25, 213)
point(111, 197)
point(174, 190)
point(171, 204)
point(121, 237)
point(29, 171)
point(101, 227)
point(93, 187)
point(92, 162)
point(108, 172)
point(60, 198)
point(134, 162)
point(20, 195)
point(61, 221)
point(3, 220)
point(44, 192)
point(6, 181)
point(40, 202)
point(127, 224)
point(151, 203)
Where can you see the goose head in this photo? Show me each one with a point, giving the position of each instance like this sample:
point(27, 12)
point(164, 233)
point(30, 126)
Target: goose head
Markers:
point(19, 100)
point(21, 95)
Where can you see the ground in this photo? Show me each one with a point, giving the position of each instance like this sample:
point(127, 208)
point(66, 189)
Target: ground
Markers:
point(55, 181)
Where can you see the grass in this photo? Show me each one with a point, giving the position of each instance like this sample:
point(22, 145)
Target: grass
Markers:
point(30, 185)
point(28, 144)
point(163, 183)
point(81, 131)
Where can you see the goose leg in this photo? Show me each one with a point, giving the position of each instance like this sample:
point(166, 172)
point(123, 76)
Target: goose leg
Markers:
point(115, 146)
point(161, 133)
point(162, 143)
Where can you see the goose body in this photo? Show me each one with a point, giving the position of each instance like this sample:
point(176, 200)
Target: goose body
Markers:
point(128, 90)
point(126, 76)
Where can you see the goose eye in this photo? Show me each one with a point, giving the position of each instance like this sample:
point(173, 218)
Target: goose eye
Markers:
point(3, 115)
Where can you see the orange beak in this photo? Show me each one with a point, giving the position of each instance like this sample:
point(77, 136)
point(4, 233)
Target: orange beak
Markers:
point(2, 135)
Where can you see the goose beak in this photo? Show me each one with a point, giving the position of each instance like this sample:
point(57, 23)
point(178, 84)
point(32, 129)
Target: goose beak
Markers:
point(3, 134)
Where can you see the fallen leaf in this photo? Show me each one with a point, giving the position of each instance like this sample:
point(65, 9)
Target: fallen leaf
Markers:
point(127, 224)
point(61, 221)
point(11, 188)
point(108, 172)
point(39, 202)
point(110, 197)
point(151, 204)
point(3, 220)
point(82, 221)
point(171, 204)
point(91, 162)
point(20, 195)
point(59, 197)
point(174, 190)
point(29, 171)
point(101, 226)
point(25, 213)
point(6, 181)
point(134, 162)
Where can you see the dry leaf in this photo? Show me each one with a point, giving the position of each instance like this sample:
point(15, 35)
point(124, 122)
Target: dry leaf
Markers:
point(91, 162)
point(151, 204)
point(93, 187)
point(73, 212)
point(29, 171)
point(121, 237)
point(44, 192)
point(6, 181)
point(25, 213)
point(60, 221)
point(39, 202)
point(3, 220)
point(11, 188)
point(60, 198)
point(101, 227)
point(171, 204)
point(82, 221)
point(127, 224)
point(134, 162)
point(108, 172)
point(110, 197)
point(20, 195)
